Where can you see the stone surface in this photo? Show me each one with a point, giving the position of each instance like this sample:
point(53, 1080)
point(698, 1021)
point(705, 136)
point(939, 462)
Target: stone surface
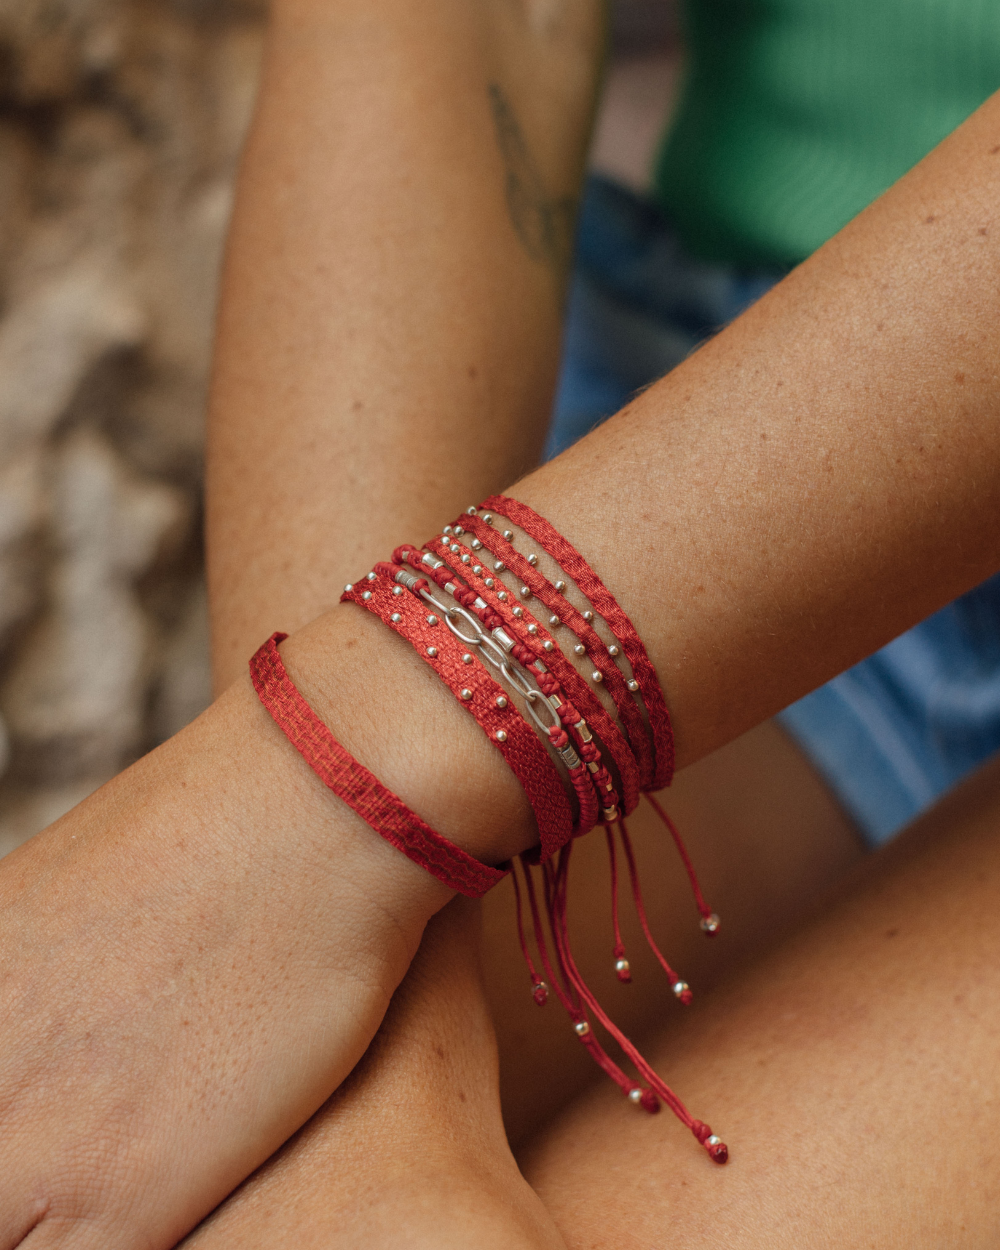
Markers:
point(120, 128)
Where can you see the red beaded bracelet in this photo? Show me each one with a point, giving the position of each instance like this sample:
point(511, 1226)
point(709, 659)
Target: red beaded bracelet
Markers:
point(461, 619)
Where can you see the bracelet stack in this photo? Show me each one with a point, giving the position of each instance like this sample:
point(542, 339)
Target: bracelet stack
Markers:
point(557, 677)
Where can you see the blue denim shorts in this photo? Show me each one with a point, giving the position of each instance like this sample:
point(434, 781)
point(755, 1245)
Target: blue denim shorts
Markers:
point(894, 732)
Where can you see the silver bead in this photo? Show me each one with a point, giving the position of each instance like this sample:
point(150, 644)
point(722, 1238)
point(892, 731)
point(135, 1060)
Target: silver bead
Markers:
point(446, 530)
point(501, 735)
point(367, 595)
point(548, 645)
point(397, 590)
point(525, 592)
point(560, 586)
point(471, 511)
point(554, 621)
point(348, 588)
point(713, 1140)
point(490, 583)
point(597, 675)
point(613, 650)
point(476, 545)
point(532, 629)
point(458, 530)
point(372, 577)
point(711, 924)
point(581, 1028)
point(518, 612)
point(466, 659)
point(532, 560)
point(454, 549)
point(466, 558)
point(499, 566)
point(432, 652)
point(680, 988)
point(633, 685)
point(466, 694)
point(622, 965)
point(508, 534)
point(432, 619)
point(588, 615)
point(502, 701)
point(395, 618)
point(502, 596)
point(635, 1095)
point(579, 649)
point(488, 518)
point(478, 570)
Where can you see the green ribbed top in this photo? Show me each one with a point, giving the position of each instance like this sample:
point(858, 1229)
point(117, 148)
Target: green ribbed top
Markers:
point(796, 114)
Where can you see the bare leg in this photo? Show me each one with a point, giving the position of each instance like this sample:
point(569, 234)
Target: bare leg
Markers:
point(854, 1074)
point(768, 841)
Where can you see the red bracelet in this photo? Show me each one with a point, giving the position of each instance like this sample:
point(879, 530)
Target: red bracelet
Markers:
point(477, 692)
point(387, 814)
point(546, 649)
point(591, 782)
point(571, 562)
point(605, 670)
point(429, 596)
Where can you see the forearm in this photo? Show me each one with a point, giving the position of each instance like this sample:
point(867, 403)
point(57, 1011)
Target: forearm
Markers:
point(389, 331)
point(817, 478)
point(822, 474)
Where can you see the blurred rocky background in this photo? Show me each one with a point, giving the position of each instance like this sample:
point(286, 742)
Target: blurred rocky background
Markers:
point(120, 128)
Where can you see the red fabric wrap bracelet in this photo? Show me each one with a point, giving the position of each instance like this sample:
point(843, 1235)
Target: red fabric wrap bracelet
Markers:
point(463, 619)
point(384, 811)
point(487, 702)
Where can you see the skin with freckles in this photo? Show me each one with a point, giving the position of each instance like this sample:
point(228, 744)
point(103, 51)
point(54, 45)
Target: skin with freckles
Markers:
point(793, 515)
point(854, 1071)
point(797, 828)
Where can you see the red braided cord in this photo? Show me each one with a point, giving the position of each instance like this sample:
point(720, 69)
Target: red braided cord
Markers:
point(570, 560)
point(597, 650)
point(577, 690)
point(350, 781)
point(556, 878)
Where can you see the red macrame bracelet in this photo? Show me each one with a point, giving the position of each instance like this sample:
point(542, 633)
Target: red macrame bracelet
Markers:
point(430, 596)
point(573, 684)
point(592, 783)
point(387, 814)
point(571, 562)
point(597, 651)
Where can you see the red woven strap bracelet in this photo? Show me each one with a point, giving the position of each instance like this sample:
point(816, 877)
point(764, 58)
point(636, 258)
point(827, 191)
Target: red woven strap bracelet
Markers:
point(384, 811)
point(571, 562)
point(480, 696)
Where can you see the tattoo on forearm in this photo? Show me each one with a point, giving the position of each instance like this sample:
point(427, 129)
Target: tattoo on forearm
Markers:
point(544, 225)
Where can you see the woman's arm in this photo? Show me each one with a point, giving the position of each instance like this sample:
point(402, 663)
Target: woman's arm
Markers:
point(390, 320)
point(813, 481)
point(868, 503)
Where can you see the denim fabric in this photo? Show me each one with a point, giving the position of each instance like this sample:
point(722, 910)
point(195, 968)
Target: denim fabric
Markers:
point(894, 732)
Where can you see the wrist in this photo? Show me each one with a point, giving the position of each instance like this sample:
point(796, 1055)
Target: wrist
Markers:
point(397, 719)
